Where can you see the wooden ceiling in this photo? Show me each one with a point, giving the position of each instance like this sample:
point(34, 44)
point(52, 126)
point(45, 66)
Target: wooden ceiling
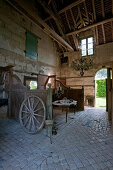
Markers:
point(70, 18)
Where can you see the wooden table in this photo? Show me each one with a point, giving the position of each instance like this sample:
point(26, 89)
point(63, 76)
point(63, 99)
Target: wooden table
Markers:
point(65, 103)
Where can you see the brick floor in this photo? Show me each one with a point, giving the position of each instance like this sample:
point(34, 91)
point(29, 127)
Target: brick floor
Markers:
point(85, 142)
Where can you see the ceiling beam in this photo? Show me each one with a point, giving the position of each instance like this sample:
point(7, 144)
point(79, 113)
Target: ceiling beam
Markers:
point(96, 35)
point(75, 25)
point(75, 42)
point(112, 29)
point(86, 12)
point(94, 12)
point(103, 13)
point(112, 7)
point(33, 17)
point(54, 16)
point(90, 26)
point(81, 20)
point(71, 6)
point(103, 31)
point(67, 20)
point(49, 2)
point(67, 7)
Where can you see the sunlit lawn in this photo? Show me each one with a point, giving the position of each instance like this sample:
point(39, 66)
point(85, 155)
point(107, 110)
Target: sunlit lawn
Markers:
point(101, 102)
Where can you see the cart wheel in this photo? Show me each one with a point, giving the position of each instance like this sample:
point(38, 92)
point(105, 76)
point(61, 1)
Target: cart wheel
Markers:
point(32, 114)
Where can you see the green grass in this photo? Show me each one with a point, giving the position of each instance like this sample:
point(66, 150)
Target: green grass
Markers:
point(100, 102)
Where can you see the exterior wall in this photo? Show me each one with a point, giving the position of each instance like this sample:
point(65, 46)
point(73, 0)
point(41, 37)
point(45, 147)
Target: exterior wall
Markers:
point(102, 57)
point(12, 44)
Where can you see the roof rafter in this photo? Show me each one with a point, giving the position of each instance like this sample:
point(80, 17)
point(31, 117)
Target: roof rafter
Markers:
point(54, 16)
point(112, 29)
point(68, 7)
point(33, 17)
point(81, 20)
point(90, 26)
point(103, 13)
point(67, 21)
point(112, 7)
point(75, 41)
point(75, 25)
point(94, 12)
point(103, 31)
point(86, 11)
point(96, 35)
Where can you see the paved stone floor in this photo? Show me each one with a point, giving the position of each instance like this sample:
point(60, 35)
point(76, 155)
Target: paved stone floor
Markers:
point(85, 142)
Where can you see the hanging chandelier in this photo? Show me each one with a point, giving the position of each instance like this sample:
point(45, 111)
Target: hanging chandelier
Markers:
point(82, 64)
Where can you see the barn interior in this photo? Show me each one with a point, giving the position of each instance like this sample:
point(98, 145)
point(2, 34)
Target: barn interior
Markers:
point(52, 50)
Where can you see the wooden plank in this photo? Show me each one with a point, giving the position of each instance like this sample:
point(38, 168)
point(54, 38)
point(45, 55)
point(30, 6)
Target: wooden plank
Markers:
point(94, 12)
point(90, 26)
point(27, 12)
point(103, 31)
point(68, 7)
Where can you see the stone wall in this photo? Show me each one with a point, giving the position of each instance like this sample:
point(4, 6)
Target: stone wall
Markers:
point(13, 26)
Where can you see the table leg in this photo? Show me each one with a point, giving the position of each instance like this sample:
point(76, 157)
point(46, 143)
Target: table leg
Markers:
point(66, 113)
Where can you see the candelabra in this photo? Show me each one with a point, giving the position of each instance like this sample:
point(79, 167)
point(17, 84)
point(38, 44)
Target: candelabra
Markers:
point(82, 64)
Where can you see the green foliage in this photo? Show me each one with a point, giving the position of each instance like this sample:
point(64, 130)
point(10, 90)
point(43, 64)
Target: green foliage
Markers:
point(101, 88)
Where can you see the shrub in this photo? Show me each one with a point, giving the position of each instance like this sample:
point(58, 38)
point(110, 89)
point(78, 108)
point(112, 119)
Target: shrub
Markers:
point(101, 88)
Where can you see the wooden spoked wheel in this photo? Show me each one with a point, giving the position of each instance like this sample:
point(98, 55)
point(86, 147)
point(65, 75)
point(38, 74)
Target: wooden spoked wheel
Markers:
point(32, 114)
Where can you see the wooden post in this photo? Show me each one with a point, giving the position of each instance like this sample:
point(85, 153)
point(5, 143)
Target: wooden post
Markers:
point(10, 88)
point(83, 96)
point(108, 91)
point(112, 97)
point(49, 103)
point(49, 121)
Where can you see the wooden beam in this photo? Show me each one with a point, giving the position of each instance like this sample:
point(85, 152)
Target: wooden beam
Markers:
point(33, 17)
point(6, 68)
point(81, 20)
point(71, 6)
point(108, 108)
point(67, 21)
point(75, 25)
point(86, 11)
point(54, 16)
point(90, 26)
point(49, 2)
point(59, 21)
point(103, 31)
point(112, 98)
point(103, 13)
point(93, 5)
point(75, 42)
point(112, 29)
point(68, 7)
point(96, 29)
point(59, 45)
point(112, 7)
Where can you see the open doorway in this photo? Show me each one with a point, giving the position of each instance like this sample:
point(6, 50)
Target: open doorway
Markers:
point(100, 88)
